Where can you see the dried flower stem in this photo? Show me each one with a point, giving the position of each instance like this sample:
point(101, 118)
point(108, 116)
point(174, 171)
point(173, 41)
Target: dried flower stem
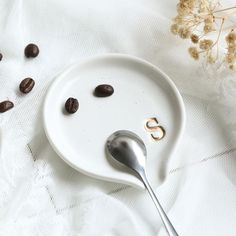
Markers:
point(225, 9)
point(218, 37)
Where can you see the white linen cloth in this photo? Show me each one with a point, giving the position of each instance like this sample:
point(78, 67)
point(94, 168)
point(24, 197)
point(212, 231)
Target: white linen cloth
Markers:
point(41, 195)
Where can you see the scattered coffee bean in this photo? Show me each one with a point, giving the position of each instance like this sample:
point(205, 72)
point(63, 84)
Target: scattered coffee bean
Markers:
point(5, 106)
point(26, 85)
point(71, 105)
point(103, 90)
point(0, 56)
point(31, 50)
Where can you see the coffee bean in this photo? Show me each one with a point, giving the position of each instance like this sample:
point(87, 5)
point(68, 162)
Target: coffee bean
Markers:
point(71, 105)
point(31, 50)
point(26, 85)
point(5, 106)
point(1, 56)
point(103, 90)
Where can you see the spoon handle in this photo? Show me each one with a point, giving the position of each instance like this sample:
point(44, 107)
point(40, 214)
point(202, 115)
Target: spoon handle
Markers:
point(169, 227)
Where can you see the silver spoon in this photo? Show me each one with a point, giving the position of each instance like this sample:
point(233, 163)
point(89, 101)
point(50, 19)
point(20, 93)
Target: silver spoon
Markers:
point(129, 149)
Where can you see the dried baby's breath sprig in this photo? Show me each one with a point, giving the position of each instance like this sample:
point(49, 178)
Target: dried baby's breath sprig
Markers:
point(204, 22)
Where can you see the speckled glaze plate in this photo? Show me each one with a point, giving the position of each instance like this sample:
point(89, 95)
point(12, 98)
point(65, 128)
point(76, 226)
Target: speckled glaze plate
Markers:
point(145, 101)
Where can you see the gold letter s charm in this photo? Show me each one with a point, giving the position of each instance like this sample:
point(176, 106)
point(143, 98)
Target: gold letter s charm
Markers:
point(153, 127)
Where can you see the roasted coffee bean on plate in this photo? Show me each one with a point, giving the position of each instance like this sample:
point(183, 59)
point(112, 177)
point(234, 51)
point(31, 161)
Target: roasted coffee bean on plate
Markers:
point(103, 90)
point(71, 105)
point(26, 85)
point(5, 106)
point(31, 50)
point(1, 56)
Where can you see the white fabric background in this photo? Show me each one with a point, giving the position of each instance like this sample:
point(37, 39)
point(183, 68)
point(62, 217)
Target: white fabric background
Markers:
point(41, 195)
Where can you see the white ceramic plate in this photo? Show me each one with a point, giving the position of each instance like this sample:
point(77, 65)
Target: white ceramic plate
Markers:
point(142, 91)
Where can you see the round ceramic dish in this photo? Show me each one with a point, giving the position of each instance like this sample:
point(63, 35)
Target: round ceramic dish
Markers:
point(145, 101)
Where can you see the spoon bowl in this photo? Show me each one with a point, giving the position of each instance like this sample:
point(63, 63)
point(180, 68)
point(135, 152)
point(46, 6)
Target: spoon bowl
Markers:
point(128, 149)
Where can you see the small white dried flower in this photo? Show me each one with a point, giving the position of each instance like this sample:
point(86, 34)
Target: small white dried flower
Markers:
point(208, 28)
point(204, 7)
point(184, 33)
point(185, 7)
point(193, 53)
point(232, 67)
point(231, 38)
point(209, 24)
point(230, 58)
point(194, 38)
point(211, 59)
point(205, 44)
point(178, 20)
point(209, 20)
point(174, 29)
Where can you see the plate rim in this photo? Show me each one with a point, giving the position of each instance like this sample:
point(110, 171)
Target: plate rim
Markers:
point(82, 62)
